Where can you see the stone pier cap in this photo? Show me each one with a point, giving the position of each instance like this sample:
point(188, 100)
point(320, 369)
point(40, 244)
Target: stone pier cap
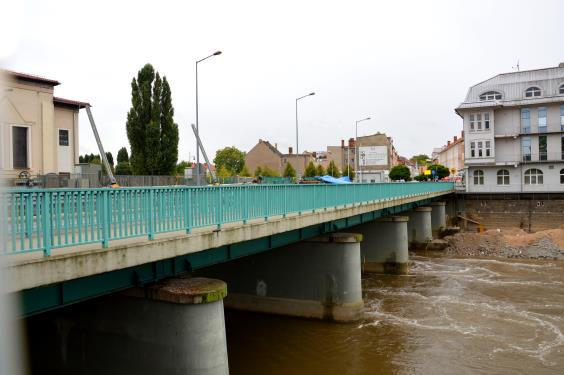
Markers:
point(338, 238)
point(184, 290)
point(437, 204)
point(422, 209)
point(393, 219)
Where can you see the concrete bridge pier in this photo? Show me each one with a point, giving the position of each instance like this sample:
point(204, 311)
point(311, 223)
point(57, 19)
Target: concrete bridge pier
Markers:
point(318, 278)
point(384, 248)
point(174, 327)
point(438, 217)
point(419, 227)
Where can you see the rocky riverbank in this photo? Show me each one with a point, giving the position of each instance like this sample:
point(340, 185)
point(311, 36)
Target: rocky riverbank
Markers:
point(508, 243)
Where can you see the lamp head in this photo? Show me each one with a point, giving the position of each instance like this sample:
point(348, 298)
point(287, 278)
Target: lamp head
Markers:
point(311, 93)
point(217, 53)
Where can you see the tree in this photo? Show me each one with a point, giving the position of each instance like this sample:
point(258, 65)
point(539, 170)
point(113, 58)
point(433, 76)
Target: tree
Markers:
point(90, 158)
point(332, 169)
point(258, 171)
point(289, 171)
point(122, 155)
point(232, 158)
point(420, 159)
point(123, 169)
point(440, 170)
point(223, 173)
point(319, 171)
point(152, 133)
point(310, 170)
point(245, 172)
point(266, 171)
point(400, 172)
point(349, 171)
point(420, 178)
point(180, 167)
point(110, 158)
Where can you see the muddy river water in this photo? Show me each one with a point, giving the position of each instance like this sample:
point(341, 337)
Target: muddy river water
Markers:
point(448, 316)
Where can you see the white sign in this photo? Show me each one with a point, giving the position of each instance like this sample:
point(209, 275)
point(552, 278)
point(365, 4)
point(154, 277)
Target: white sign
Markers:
point(373, 155)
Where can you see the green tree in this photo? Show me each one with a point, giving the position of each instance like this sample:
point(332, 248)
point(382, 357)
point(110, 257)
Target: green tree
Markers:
point(180, 167)
point(319, 170)
point(269, 172)
point(349, 171)
point(122, 155)
point(232, 158)
point(420, 177)
point(245, 172)
point(289, 171)
point(123, 169)
point(421, 159)
point(332, 169)
point(223, 173)
point(110, 158)
point(258, 171)
point(152, 133)
point(400, 172)
point(310, 170)
point(440, 170)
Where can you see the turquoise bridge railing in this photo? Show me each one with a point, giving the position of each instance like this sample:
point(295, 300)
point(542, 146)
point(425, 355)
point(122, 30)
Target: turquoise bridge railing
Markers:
point(46, 219)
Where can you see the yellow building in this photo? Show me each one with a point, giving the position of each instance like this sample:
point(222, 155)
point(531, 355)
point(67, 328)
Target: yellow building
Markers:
point(38, 131)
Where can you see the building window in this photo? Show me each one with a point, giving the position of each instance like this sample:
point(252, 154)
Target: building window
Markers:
point(561, 89)
point(526, 148)
point(490, 95)
point(472, 124)
point(562, 146)
point(20, 148)
point(525, 121)
point(503, 177)
point(533, 177)
point(479, 121)
point(562, 117)
point(473, 149)
point(480, 149)
point(488, 148)
point(486, 121)
point(478, 177)
point(542, 119)
point(63, 137)
point(542, 147)
point(532, 91)
point(562, 176)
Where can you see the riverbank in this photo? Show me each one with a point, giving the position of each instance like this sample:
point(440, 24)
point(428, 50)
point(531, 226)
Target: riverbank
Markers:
point(508, 243)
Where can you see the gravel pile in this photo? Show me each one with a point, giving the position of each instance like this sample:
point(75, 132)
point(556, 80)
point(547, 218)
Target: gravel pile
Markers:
point(512, 243)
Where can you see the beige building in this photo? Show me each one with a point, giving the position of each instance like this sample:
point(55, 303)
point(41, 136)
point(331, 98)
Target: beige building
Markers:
point(376, 156)
point(452, 154)
point(265, 154)
point(38, 131)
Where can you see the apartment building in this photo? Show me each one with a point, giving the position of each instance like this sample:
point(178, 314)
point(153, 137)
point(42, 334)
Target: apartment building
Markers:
point(451, 155)
point(38, 131)
point(514, 132)
point(376, 156)
point(265, 154)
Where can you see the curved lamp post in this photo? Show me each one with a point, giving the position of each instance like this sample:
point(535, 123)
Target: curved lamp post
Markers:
point(297, 139)
point(356, 145)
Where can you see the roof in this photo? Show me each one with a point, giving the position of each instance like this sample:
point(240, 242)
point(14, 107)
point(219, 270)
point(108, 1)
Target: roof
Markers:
point(31, 78)
point(69, 102)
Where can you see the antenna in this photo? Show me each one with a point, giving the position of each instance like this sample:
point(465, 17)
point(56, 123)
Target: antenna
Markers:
point(516, 67)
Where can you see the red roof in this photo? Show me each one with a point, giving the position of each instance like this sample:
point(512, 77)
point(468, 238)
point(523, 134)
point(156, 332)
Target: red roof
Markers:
point(70, 102)
point(31, 78)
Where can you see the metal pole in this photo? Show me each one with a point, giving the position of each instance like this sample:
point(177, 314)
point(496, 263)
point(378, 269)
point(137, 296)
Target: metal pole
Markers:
point(357, 166)
point(297, 144)
point(197, 130)
point(100, 147)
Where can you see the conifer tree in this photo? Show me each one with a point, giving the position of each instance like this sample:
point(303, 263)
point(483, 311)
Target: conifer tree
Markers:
point(332, 170)
point(310, 170)
point(289, 171)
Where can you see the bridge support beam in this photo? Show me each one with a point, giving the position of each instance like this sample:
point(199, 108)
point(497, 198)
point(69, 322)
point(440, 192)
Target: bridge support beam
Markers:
point(174, 327)
point(419, 227)
point(318, 278)
point(438, 217)
point(384, 247)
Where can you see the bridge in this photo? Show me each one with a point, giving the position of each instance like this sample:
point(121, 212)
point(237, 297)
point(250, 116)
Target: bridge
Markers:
point(64, 246)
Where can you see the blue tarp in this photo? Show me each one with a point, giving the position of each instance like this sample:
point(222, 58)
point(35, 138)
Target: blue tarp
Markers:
point(332, 180)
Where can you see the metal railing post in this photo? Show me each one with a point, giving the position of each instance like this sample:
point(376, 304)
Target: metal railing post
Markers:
point(150, 221)
point(46, 223)
point(105, 219)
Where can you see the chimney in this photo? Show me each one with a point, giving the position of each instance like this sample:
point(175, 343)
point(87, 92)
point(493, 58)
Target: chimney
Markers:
point(351, 142)
point(462, 134)
point(448, 143)
point(290, 150)
point(561, 65)
point(276, 146)
point(455, 138)
point(342, 143)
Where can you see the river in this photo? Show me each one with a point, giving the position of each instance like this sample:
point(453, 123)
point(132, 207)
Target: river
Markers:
point(448, 316)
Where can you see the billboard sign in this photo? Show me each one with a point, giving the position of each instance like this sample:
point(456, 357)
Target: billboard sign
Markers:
point(373, 155)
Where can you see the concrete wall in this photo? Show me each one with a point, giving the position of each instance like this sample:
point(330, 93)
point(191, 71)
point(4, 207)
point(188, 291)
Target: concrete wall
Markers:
point(528, 214)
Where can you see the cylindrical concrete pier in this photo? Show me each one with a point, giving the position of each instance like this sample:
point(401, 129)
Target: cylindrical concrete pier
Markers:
point(438, 217)
point(384, 248)
point(318, 278)
point(419, 227)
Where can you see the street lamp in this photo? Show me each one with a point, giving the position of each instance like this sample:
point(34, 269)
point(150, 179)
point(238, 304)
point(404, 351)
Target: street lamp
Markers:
point(197, 124)
point(297, 144)
point(356, 145)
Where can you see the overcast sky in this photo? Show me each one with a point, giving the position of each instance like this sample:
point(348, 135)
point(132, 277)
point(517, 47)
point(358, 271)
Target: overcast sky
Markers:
point(406, 64)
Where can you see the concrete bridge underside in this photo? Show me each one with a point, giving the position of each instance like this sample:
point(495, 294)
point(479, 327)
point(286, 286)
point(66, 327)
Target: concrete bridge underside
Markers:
point(77, 274)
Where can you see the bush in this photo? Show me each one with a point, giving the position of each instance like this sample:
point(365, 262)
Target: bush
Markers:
point(400, 172)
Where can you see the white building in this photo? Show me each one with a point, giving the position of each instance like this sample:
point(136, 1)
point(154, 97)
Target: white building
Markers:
point(514, 132)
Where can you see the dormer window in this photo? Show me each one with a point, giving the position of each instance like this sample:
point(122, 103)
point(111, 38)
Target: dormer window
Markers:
point(490, 95)
point(532, 91)
point(561, 89)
